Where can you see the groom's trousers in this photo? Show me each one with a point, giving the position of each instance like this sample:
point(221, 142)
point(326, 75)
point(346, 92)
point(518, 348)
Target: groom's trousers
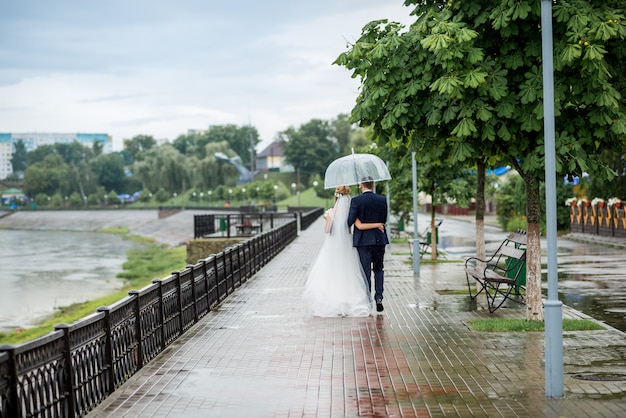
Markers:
point(371, 257)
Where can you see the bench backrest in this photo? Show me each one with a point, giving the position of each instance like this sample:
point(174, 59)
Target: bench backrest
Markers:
point(512, 253)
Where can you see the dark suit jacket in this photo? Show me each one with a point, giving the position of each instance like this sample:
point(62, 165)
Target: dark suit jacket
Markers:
point(368, 207)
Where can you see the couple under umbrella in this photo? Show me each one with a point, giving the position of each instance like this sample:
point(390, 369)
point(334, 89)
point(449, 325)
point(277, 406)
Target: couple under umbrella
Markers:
point(339, 282)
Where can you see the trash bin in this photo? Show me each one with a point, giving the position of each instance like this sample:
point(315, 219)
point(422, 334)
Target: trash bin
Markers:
point(401, 225)
point(223, 224)
point(511, 265)
point(429, 236)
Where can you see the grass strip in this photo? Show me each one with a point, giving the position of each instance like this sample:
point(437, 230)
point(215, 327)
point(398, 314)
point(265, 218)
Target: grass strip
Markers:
point(154, 261)
point(523, 325)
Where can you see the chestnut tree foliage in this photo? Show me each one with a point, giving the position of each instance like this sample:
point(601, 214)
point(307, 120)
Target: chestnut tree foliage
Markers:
point(464, 81)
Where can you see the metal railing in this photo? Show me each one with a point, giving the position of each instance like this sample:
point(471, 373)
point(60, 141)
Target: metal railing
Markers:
point(246, 224)
point(69, 371)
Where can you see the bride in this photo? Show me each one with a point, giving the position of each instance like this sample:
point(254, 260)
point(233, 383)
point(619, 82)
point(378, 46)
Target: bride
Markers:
point(335, 285)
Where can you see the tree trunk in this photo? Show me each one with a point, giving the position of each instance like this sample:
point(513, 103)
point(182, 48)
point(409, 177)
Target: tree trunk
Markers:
point(480, 216)
point(534, 306)
point(433, 233)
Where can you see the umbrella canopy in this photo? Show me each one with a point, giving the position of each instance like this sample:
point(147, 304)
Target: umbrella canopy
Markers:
point(349, 170)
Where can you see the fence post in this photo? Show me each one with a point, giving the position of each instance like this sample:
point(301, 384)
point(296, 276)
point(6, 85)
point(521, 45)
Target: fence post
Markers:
point(161, 312)
point(218, 297)
point(137, 309)
point(179, 295)
point(13, 409)
point(205, 275)
point(193, 293)
point(108, 348)
point(68, 380)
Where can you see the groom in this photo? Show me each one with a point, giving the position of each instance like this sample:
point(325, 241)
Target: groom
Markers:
point(370, 244)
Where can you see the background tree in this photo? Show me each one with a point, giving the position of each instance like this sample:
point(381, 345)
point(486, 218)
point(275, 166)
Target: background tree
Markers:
point(109, 170)
point(597, 186)
point(311, 147)
point(138, 145)
point(47, 177)
point(18, 157)
point(241, 139)
point(467, 77)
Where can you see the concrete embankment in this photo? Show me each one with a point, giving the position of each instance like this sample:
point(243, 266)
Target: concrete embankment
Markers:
point(173, 230)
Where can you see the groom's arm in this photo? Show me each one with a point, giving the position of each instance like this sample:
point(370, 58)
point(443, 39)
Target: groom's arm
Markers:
point(352, 214)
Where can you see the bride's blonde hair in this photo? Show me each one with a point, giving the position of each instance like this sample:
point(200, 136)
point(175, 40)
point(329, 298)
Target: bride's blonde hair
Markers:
point(341, 190)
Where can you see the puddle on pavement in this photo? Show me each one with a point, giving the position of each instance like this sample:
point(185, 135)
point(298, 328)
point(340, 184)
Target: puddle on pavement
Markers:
point(591, 276)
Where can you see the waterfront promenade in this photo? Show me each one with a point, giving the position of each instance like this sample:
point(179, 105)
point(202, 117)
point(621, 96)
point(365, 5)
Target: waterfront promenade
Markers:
point(261, 354)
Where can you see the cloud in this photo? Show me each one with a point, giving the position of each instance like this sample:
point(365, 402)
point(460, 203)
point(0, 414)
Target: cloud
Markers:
point(160, 68)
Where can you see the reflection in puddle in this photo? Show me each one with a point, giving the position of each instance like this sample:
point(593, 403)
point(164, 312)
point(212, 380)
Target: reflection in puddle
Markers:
point(591, 276)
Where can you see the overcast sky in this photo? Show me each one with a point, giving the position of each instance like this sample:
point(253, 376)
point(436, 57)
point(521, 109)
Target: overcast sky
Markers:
point(155, 67)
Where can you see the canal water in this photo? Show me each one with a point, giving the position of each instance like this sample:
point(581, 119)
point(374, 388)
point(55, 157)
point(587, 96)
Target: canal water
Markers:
point(41, 271)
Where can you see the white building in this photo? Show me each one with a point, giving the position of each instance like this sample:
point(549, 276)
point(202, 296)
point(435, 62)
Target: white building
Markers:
point(33, 140)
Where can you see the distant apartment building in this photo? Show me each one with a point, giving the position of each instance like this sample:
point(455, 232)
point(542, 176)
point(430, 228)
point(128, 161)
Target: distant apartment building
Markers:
point(33, 140)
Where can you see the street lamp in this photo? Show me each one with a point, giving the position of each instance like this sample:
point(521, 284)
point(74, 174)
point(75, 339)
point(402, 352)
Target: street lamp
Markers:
point(174, 200)
point(315, 183)
point(209, 193)
point(201, 197)
point(275, 192)
point(243, 195)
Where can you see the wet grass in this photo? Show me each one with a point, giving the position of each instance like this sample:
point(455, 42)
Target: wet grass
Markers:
point(523, 325)
point(142, 266)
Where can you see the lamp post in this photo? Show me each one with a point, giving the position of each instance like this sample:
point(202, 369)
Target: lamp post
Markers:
point(553, 307)
point(275, 192)
point(243, 196)
point(209, 193)
point(201, 197)
point(230, 197)
point(315, 183)
point(174, 199)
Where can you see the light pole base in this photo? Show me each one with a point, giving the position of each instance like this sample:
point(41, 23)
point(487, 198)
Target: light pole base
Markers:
point(554, 348)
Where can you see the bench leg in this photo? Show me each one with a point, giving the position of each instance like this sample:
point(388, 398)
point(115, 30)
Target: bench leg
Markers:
point(474, 281)
point(496, 295)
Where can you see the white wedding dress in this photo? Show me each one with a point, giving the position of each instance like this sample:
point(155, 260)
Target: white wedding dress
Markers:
point(335, 285)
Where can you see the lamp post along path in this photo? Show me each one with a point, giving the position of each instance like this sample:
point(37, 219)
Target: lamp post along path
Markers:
point(553, 307)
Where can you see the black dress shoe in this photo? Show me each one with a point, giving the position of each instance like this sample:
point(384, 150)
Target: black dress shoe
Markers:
point(379, 306)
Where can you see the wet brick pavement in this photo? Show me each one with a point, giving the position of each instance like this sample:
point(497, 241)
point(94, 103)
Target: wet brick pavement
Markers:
point(261, 354)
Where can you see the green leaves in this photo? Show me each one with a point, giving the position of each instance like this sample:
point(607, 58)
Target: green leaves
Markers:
point(465, 127)
point(475, 78)
point(571, 52)
point(446, 84)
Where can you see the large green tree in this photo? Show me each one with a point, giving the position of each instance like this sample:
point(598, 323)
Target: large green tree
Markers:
point(466, 78)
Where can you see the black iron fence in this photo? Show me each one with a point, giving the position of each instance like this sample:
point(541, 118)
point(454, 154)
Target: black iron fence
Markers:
point(247, 224)
point(69, 371)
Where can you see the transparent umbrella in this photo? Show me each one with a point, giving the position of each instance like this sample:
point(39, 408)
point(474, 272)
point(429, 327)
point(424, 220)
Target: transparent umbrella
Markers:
point(352, 168)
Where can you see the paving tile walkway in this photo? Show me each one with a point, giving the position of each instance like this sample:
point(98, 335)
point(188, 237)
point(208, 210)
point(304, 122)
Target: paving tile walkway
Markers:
point(261, 354)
